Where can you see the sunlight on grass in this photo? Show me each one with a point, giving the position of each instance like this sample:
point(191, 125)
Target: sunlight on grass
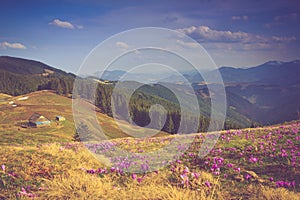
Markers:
point(44, 163)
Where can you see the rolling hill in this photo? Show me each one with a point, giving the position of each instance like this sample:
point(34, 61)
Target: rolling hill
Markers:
point(49, 104)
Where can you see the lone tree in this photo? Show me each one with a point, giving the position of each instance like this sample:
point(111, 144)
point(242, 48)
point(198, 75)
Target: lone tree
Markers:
point(82, 133)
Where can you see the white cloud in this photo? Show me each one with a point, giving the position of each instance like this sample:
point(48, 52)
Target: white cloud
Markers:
point(283, 39)
point(206, 34)
point(122, 45)
point(62, 24)
point(12, 45)
point(229, 40)
point(244, 17)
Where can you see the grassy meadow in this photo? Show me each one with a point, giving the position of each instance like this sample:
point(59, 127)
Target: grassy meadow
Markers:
point(45, 163)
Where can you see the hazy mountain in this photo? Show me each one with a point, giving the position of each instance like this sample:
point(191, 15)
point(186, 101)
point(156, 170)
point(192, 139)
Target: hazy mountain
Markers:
point(273, 72)
point(110, 75)
point(267, 93)
point(273, 90)
point(271, 103)
point(144, 77)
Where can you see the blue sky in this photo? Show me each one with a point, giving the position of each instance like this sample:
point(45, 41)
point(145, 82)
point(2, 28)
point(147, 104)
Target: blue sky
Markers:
point(234, 32)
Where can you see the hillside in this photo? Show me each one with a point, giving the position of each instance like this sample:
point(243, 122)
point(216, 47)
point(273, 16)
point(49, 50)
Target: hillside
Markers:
point(267, 93)
point(21, 76)
point(27, 67)
point(45, 163)
point(259, 163)
point(50, 105)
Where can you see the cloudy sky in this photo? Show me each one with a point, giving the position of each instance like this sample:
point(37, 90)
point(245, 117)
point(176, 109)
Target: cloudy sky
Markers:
point(235, 33)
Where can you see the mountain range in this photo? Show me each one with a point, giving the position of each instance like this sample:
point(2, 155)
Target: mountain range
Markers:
point(272, 90)
point(268, 93)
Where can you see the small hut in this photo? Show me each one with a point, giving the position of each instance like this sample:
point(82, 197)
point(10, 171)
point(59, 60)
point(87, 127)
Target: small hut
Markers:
point(60, 118)
point(38, 120)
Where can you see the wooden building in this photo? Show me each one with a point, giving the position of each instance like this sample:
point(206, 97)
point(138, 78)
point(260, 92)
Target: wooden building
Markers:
point(38, 120)
point(60, 118)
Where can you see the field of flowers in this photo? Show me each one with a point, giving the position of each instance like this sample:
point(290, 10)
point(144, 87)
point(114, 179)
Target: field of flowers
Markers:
point(260, 163)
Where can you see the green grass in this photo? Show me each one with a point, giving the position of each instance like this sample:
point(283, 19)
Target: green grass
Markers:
point(50, 105)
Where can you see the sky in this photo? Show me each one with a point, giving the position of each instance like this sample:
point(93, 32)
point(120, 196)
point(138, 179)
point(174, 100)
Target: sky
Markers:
point(237, 33)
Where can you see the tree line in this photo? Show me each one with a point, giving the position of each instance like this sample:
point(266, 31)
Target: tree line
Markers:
point(136, 108)
point(16, 84)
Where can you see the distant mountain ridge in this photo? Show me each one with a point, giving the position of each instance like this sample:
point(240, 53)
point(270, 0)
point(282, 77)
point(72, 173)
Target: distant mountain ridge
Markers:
point(272, 72)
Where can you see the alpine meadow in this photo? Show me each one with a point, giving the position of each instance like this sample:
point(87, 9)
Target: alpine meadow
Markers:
point(144, 100)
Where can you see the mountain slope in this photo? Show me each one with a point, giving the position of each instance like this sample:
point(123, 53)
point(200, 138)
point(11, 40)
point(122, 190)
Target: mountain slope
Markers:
point(50, 105)
point(272, 90)
point(21, 76)
point(27, 67)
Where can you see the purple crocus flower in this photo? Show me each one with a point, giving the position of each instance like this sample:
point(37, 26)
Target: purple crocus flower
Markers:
point(186, 170)
point(253, 160)
point(229, 165)
point(247, 176)
point(133, 176)
point(185, 179)
point(112, 169)
point(207, 183)
point(12, 174)
point(237, 169)
point(196, 175)
point(139, 180)
point(293, 184)
point(90, 171)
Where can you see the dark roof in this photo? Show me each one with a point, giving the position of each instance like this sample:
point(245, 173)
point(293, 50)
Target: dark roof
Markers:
point(37, 117)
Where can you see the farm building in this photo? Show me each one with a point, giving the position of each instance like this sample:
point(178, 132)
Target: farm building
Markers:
point(38, 120)
point(60, 118)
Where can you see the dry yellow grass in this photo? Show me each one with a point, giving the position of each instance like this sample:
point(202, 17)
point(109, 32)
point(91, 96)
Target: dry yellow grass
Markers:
point(53, 167)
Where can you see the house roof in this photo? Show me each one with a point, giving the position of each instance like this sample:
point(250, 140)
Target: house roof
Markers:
point(37, 117)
